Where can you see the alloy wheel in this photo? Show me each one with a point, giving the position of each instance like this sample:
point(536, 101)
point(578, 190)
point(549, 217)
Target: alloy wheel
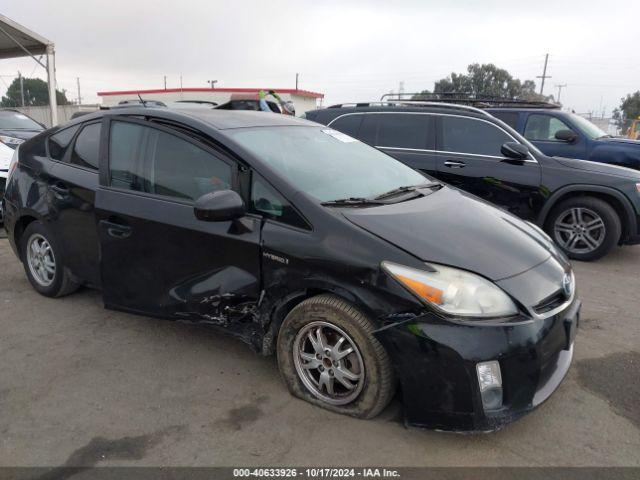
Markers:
point(329, 363)
point(41, 260)
point(579, 230)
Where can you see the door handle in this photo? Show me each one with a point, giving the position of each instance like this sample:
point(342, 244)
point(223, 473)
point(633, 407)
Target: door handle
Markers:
point(453, 164)
point(117, 230)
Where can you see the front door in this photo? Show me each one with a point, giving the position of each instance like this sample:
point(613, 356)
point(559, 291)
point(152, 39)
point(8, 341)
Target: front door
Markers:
point(541, 128)
point(157, 258)
point(469, 158)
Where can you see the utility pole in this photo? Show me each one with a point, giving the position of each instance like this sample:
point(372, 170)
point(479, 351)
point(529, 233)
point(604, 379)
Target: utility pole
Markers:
point(21, 87)
point(544, 73)
point(297, 81)
point(212, 83)
point(79, 97)
point(401, 90)
point(560, 87)
point(165, 82)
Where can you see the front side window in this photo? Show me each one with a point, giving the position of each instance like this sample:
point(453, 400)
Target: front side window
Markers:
point(467, 135)
point(153, 161)
point(86, 148)
point(325, 163)
point(59, 142)
point(403, 130)
point(266, 201)
point(543, 127)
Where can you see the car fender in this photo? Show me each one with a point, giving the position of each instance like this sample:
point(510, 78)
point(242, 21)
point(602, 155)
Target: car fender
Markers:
point(551, 202)
point(620, 155)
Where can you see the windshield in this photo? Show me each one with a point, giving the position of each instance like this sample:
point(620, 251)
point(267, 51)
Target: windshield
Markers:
point(588, 128)
point(10, 120)
point(325, 163)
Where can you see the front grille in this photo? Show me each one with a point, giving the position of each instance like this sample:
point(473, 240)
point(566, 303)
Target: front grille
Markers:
point(551, 302)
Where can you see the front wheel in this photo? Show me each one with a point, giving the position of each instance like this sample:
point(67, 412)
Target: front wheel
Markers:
point(585, 228)
point(328, 356)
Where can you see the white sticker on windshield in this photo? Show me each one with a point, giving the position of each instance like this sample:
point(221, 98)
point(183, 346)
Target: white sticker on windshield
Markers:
point(343, 137)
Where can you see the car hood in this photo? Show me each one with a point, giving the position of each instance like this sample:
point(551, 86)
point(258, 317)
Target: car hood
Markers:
point(616, 141)
point(453, 228)
point(23, 134)
point(598, 167)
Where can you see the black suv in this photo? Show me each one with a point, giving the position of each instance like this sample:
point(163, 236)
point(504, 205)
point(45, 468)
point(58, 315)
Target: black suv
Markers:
point(586, 207)
point(356, 269)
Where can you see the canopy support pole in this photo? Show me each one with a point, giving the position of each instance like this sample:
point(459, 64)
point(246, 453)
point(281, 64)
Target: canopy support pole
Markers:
point(51, 81)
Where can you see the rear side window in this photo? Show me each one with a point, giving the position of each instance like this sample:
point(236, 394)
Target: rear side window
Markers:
point(403, 130)
point(59, 142)
point(510, 118)
point(466, 135)
point(85, 150)
point(349, 124)
point(369, 129)
point(153, 161)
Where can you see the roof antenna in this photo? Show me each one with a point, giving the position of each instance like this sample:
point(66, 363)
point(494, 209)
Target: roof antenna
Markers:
point(144, 104)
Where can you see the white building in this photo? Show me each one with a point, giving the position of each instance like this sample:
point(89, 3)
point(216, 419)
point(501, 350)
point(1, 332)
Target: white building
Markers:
point(303, 100)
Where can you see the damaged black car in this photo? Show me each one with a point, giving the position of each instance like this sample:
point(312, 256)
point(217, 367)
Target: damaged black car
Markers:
point(363, 276)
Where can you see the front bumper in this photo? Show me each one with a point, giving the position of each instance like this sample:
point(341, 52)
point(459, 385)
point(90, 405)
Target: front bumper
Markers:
point(435, 361)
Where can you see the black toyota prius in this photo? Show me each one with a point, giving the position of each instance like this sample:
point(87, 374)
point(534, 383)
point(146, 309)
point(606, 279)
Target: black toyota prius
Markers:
point(362, 275)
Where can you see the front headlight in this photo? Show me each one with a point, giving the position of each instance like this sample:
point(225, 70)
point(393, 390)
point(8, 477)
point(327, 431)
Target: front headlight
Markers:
point(11, 141)
point(453, 291)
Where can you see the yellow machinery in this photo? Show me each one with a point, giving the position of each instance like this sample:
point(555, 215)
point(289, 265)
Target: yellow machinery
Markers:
point(634, 129)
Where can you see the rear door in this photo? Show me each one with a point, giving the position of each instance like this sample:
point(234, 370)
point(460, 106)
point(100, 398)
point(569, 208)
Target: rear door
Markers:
point(406, 136)
point(157, 258)
point(469, 158)
point(72, 188)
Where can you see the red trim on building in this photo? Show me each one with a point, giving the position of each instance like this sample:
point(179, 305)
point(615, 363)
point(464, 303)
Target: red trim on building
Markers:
point(291, 91)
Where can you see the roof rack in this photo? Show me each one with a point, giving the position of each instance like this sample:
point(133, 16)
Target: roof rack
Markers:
point(411, 103)
point(474, 100)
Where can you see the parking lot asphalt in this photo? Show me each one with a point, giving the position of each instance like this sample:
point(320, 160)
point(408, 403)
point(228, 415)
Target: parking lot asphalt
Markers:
point(81, 385)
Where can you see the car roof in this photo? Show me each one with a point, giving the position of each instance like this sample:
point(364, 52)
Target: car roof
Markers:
point(218, 119)
point(442, 108)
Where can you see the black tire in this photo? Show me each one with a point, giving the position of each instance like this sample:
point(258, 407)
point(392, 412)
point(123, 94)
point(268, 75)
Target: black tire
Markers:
point(608, 238)
point(378, 385)
point(62, 283)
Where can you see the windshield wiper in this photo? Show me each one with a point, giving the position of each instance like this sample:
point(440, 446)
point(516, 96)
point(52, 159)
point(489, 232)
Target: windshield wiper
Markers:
point(352, 201)
point(407, 188)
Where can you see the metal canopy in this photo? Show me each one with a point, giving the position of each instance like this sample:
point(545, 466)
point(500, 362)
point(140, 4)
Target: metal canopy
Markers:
point(18, 41)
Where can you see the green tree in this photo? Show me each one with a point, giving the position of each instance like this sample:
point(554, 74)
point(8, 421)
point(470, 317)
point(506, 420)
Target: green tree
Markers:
point(487, 80)
point(629, 109)
point(36, 93)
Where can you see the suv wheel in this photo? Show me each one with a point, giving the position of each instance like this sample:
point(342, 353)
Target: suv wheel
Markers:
point(43, 262)
point(585, 228)
point(328, 356)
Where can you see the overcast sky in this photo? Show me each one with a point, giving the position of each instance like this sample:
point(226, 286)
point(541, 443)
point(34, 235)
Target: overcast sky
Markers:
point(348, 50)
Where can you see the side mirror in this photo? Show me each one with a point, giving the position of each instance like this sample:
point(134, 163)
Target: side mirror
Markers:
point(219, 206)
point(568, 136)
point(514, 151)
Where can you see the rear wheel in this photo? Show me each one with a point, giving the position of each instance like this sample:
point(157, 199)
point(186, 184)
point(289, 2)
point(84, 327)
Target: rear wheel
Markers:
point(43, 262)
point(585, 228)
point(328, 356)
